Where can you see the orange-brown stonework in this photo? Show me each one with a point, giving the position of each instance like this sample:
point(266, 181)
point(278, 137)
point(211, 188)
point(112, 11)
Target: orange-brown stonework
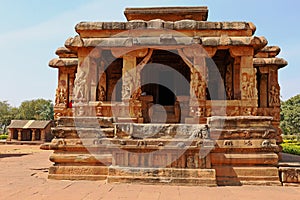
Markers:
point(168, 98)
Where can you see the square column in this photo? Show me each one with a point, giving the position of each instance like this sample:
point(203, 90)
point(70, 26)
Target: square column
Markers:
point(129, 77)
point(19, 134)
point(33, 134)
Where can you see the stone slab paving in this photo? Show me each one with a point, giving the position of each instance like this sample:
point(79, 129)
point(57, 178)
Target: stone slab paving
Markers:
point(24, 169)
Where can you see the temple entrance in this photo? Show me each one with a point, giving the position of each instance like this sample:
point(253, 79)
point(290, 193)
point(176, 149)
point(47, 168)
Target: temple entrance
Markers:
point(159, 83)
point(164, 79)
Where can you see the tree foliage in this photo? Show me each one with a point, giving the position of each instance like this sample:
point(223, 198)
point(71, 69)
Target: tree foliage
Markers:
point(39, 109)
point(290, 115)
point(7, 113)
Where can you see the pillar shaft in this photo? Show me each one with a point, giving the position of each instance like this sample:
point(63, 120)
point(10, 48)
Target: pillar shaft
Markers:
point(43, 136)
point(129, 77)
point(33, 134)
point(19, 134)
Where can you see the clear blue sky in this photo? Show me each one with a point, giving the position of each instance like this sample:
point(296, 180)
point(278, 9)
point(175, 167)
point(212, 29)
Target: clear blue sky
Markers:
point(31, 30)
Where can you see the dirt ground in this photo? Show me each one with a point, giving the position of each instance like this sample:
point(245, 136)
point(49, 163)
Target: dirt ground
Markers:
point(24, 169)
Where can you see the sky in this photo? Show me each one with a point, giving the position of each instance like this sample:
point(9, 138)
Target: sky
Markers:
point(31, 31)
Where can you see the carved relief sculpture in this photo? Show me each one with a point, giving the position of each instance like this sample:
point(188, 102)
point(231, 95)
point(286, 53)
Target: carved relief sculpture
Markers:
point(198, 86)
point(274, 99)
point(248, 86)
point(101, 93)
point(80, 85)
point(61, 97)
point(228, 76)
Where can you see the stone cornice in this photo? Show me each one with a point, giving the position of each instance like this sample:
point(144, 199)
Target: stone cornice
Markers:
point(165, 40)
point(244, 28)
point(63, 62)
point(260, 62)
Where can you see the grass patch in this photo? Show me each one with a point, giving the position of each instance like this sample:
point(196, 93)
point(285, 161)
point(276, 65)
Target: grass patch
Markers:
point(291, 147)
point(3, 137)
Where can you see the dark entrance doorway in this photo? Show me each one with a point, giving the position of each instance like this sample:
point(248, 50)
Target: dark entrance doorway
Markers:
point(165, 78)
point(159, 83)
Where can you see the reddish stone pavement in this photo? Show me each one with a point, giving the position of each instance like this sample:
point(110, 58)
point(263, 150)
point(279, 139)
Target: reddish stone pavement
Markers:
point(23, 175)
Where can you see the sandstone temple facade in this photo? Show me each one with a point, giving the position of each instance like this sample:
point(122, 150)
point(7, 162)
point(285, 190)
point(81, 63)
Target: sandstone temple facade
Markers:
point(167, 97)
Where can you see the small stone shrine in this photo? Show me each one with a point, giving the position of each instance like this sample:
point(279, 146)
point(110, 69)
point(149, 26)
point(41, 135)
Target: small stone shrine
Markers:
point(167, 97)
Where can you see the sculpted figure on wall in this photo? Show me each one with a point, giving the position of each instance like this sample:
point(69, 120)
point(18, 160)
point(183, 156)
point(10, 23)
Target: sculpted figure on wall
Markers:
point(80, 84)
point(61, 97)
point(101, 93)
point(274, 96)
point(248, 86)
point(127, 86)
point(198, 86)
point(228, 76)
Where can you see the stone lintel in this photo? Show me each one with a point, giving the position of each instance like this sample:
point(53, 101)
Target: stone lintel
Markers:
point(167, 13)
point(260, 62)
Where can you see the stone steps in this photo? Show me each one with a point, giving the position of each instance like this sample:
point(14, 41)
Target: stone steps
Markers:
point(104, 159)
point(78, 172)
point(242, 159)
point(241, 175)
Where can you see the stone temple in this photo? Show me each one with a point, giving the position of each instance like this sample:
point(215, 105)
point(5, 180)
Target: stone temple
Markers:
point(167, 97)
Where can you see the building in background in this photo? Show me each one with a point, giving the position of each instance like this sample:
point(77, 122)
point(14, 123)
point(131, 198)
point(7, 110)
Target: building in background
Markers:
point(30, 130)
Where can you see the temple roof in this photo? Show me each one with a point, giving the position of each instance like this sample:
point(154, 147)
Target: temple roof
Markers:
point(27, 124)
point(168, 27)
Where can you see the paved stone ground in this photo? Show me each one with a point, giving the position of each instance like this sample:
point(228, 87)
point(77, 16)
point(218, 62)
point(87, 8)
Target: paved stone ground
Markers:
point(23, 175)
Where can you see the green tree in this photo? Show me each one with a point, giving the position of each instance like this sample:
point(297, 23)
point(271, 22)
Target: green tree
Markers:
point(7, 113)
point(39, 109)
point(290, 115)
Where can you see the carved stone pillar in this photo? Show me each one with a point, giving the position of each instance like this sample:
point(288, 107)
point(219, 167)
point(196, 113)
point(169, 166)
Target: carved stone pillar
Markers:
point(248, 79)
point(33, 134)
point(94, 62)
point(101, 94)
point(273, 87)
point(195, 58)
point(129, 77)
point(19, 134)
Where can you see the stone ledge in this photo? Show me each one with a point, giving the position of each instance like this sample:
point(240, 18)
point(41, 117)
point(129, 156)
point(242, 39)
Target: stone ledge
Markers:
point(64, 52)
point(159, 24)
point(63, 62)
point(280, 62)
point(146, 40)
point(268, 52)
